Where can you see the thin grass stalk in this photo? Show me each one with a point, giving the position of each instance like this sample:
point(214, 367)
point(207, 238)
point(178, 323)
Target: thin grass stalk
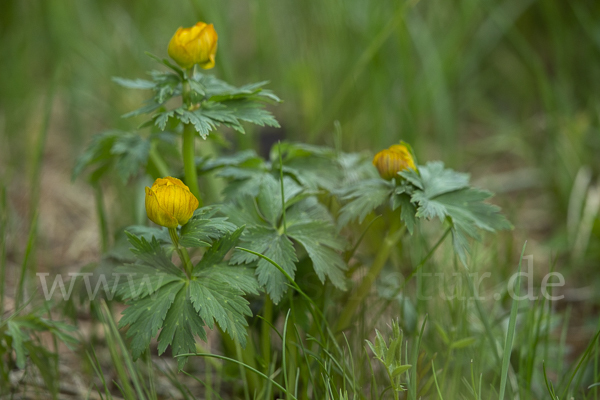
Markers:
point(510, 333)
point(245, 366)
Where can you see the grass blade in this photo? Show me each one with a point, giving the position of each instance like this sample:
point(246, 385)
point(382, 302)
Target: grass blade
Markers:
point(510, 334)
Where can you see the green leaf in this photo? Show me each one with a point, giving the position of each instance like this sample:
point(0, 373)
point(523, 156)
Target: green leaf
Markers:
point(435, 180)
point(18, 339)
point(219, 301)
point(277, 247)
point(363, 198)
point(202, 124)
point(240, 277)
point(407, 210)
point(252, 112)
point(139, 281)
point(145, 316)
point(218, 250)
point(161, 119)
point(223, 115)
point(150, 106)
point(152, 254)
point(162, 298)
point(203, 227)
point(322, 244)
point(445, 194)
point(180, 325)
point(147, 232)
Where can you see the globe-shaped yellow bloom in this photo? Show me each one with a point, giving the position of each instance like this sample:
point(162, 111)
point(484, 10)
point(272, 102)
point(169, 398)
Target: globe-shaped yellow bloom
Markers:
point(169, 202)
point(195, 45)
point(393, 160)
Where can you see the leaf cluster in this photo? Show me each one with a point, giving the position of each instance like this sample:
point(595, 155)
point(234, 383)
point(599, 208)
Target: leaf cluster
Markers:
point(391, 355)
point(20, 334)
point(274, 224)
point(432, 191)
point(208, 103)
point(315, 168)
point(164, 301)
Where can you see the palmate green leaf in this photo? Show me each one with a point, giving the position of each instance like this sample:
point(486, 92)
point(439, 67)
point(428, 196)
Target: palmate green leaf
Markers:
point(180, 325)
point(201, 123)
point(274, 245)
point(161, 119)
point(321, 242)
point(222, 302)
point(433, 179)
point(203, 227)
point(445, 194)
point(162, 298)
point(307, 222)
point(223, 115)
point(362, 198)
point(237, 276)
point(133, 281)
point(145, 316)
point(218, 250)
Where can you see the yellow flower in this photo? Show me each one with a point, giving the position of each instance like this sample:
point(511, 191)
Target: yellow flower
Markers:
point(169, 202)
point(393, 160)
point(195, 45)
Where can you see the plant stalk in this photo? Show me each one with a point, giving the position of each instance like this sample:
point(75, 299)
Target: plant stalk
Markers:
point(393, 236)
point(183, 254)
point(189, 145)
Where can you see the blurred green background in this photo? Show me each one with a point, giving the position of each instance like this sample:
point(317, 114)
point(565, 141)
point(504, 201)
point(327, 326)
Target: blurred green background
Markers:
point(508, 90)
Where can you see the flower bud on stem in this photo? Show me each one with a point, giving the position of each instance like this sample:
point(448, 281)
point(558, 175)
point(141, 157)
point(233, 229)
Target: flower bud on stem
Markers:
point(189, 143)
point(183, 254)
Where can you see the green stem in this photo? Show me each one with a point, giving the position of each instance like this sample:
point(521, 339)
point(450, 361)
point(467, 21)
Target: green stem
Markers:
point(183, 254)
point(391, 239)
point(189, 144)
point(189, 161)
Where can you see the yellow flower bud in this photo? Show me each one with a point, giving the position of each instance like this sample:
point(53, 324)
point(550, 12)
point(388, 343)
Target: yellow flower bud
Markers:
point(169, 202)
point(195, 45)
point(393, 160)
